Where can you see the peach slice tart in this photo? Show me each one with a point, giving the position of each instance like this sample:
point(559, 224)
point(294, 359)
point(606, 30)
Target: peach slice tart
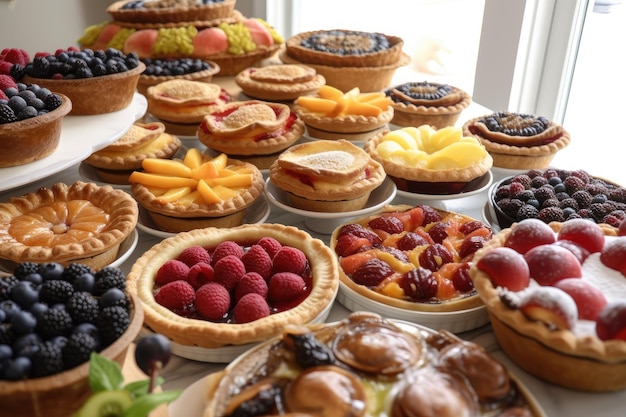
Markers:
point(197, 191)
point(430, 161)
point(556, 296)
point(82, 223)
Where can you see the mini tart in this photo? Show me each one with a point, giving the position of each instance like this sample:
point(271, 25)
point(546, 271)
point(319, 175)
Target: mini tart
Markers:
point(172, 11)
point(250, 128)
point(81, 223)
point(345, 48)
point(557, 356)
point(376, 367)
point(425, 103)
point(518, 141)
point(205, 76)
point(194, 332)
point(428, 161)
point(463, 235)
point(279, 82)
point(326, 176)
point(174, 218)
point(34, 138)
point(350, 124)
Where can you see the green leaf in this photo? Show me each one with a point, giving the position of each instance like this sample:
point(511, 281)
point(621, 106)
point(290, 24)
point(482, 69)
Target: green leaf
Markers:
point(104, 374)
point(143, 405)
point(138, 388)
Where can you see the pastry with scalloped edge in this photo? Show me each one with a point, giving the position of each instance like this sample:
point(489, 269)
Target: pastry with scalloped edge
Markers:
point(280, 82)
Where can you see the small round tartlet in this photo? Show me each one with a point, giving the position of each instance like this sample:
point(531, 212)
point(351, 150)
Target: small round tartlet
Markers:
point(149, 79)
point(284, 82)
point(78, 223)
point(209, 334)
point(426, 160)
point(518, 141)
point(427, 103)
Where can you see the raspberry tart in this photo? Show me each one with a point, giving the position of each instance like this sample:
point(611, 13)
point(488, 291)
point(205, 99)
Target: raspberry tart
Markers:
point(216, 301)
point(556, 297)
point(366, 365)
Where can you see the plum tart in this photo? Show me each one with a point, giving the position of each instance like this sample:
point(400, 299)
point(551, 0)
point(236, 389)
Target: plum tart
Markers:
point(365, 365)
point(284, 82)
point(414, 258)
point(427, 103)
point(556, 296)
point(517, 140)
point(77, 223)
point(222, 261)
point(327, 175)
point(429, 161)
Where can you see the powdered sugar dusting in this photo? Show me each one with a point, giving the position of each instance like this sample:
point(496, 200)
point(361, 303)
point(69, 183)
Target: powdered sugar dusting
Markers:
point(328, 160)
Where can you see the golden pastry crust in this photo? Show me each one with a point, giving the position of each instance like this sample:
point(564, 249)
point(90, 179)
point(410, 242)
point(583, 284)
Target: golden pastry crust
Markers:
point(279, 82)
point(205, 76)
point(66, 243)
point(172, 11)
point(211, 335)
point(34, 138)
point(372, 52)
point(250, 128)
point(350, 123)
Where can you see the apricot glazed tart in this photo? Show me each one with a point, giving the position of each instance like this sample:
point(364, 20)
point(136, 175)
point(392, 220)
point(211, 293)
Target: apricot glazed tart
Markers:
point(427, 103)
point(518, 141)
point(366, 365)
point(556, 297)
point(413, 258)
point(429, 161)
point(78, 223)
point(244, 285)
point(283, 82)
point(327, 176)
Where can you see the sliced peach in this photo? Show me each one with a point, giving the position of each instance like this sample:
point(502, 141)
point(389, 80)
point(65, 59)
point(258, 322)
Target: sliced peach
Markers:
point(260, 34)
point(192, 197)
point(316, 104)
point(224, 193)
point(232, 181)
point(166, 167)
point(209, 41)
point(205, 171)
point(208, 195)
point(174, 194)
point(161, 181)
point(364, 109)
point(141, 42)
point(156, 191)
point(193, 158)
point(220, 161)
point(329, 92)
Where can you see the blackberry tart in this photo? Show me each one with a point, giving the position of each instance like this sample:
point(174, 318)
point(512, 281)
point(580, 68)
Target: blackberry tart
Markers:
point(518, 141)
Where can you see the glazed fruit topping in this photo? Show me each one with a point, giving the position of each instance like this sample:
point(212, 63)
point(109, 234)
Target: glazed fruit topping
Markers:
point(174, 67)
point(19, 101)
point(332, 102)
point(343, 42)
point(516, 124)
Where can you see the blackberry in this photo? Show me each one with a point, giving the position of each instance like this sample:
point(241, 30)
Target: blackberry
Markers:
point(310, 351)
point(551, 214)
point(569, 202)
point(48, 360)
point(523, 179)
point(25, 268)
point(75, 270)
point(78, 349)
point(544, 193)
point(7, 115)
point(510, 206)
point(597, 187)
point(6, 283)
point(112, 322)
point(526, 212)
point(525, 195)
point(551, 202)
point(573, 184)
point(55, 291)
point(83, 307)
point(109, 277)
point(52, 101)
point(583, 198)
point(54, 322)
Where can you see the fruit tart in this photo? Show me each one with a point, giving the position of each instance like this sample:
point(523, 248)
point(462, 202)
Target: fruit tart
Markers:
point(518, 141)
point(427, 103)
point(412, 258)
point(429, 161)
point(81, 222)
point(197, 191)
point(170, 11)
point(326, 176)
point(253, 131)
point(366, 365)
point(216, 287)
point(284, 82)
point(161, 70)
point(556, 296)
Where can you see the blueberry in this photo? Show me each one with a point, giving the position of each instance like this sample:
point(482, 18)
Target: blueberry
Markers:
point(34, 278)
point(85, 282)
point(25, 294)
point(17, 103)
point(51, 270)
point(5, 353)
point(23, 322)
point(10, 308)
point(38, 308)
point(111, 297)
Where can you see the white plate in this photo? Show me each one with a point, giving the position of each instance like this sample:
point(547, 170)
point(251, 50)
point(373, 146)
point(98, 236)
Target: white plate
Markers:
point(127, 247)
point(325, 223)
point(485, 182)
point(499, 173)
point(256, 213)
point(80, 137)
point(89, 173)
point(490, 217)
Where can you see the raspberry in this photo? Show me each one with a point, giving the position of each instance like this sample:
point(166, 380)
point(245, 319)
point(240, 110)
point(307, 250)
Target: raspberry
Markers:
point(285, 286)
point(200, 274)
point(6, 81)
point(178, 296)
point(516, 188)
point(212, 301)
point(271, 245)
point(251, 307)
point(523, 179)
point(251, 282)
point(194, 254)
point(289, 259)
point(256, 259)
point(228, 271)
point(170, 271)
point(226, 248)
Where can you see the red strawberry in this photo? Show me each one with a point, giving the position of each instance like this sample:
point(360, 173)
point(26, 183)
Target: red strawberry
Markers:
point(170, 271)
point(178, 296)
point(285, 286)
point(350, 244)
point(228, 247)
point(257, 260)
point(212, 301)
point(194, 254)
point(271, 245)
point(289, 259)
point(199, 274)
point(251, 282)
point(250, 307)
point(228, 271)
point(6, 81)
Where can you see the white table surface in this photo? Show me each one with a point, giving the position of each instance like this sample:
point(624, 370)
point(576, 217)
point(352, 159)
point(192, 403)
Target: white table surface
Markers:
point(180, 373)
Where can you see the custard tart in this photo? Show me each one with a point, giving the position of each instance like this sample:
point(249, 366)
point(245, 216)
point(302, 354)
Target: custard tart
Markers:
point(279, 82)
